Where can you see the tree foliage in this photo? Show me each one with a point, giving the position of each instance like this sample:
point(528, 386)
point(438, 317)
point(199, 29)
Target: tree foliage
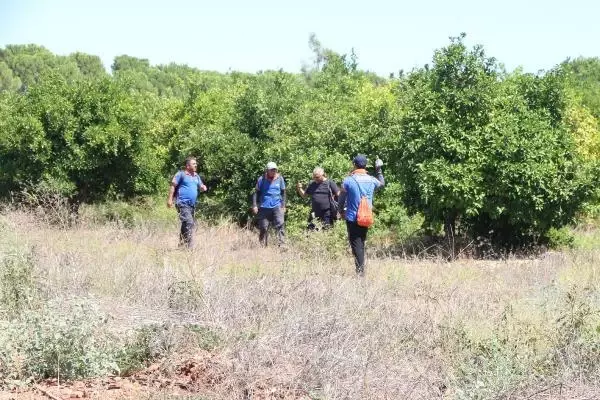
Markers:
point(466, 144)
point(487, 150)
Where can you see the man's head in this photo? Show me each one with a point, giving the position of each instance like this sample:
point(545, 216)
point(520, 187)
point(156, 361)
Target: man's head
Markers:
point(319, 174)
point(271, 169)
point(360, 161)
point(191, 164)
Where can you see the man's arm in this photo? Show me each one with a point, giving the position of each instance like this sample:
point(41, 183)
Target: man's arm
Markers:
point(380, 179)
point(174, 183)
point(379, 173)
point(342, 198)
point(255, 198)
point(334, 189)
point(310, 190)
point(201, 185)
point(300, 190)
point(171, 194)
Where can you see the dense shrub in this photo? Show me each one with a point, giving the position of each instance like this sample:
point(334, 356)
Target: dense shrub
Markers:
point(468, 146)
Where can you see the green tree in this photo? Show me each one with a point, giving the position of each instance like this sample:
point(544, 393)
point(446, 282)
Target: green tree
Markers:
point(583, 77)
point(90, 66)
point(486, 152)
point(8, 81)
point(30, 63)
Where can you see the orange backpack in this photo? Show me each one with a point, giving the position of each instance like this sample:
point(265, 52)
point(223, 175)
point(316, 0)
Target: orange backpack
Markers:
point(364, 216)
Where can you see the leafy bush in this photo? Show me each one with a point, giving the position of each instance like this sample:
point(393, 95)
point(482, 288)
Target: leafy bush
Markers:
point(468, 147)
point(488, 153)
point(560, 238)
point(18, 291)
point(519, 352)
point(55, 341)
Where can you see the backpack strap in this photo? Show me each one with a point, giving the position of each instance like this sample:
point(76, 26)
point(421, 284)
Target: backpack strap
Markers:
point(329, 182)
point(362, 194)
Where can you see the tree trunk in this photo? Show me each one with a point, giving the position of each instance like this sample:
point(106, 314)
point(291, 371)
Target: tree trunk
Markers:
point(450, 232)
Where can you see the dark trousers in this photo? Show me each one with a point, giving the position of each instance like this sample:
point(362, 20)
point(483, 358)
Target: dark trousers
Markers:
point(357, 236)
point(323, 216)
point(186, 216)
point(271, 216)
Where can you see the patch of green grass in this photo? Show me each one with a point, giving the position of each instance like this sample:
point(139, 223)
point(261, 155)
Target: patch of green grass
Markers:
point(586, 238)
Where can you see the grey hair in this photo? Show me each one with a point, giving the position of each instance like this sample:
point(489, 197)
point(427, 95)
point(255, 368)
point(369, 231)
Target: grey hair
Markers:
point(319, 171)
point(189, 159)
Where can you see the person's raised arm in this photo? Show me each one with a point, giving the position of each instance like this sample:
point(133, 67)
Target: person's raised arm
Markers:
point(379, 173)
point(300, 190)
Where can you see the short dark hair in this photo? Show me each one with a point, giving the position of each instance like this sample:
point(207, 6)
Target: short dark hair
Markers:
point(189, 159)
point(360, 161)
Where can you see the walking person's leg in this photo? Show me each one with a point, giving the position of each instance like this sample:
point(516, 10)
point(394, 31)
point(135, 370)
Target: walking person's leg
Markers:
point(181, 229)
point(263, 226)
point(326, 219)
point(356, 237)
point(279, 223)
point(363, 245)
point(186, 216)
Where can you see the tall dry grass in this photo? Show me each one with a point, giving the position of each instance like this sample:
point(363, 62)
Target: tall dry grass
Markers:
point(299, 324)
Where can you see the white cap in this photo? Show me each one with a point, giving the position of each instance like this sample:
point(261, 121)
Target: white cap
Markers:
point(271, 165)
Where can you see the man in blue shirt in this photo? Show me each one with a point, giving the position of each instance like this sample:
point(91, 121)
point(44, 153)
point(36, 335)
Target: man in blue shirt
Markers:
point(268, 203)
point(359, 182)
point(185, 186)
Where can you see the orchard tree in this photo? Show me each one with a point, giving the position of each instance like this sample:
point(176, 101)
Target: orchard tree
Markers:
point(488, 153)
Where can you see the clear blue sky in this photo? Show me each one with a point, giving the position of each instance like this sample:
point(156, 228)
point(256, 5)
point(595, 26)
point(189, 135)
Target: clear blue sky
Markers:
point(252, 35)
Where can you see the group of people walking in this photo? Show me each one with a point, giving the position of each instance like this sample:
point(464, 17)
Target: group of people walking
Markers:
point(351, 202)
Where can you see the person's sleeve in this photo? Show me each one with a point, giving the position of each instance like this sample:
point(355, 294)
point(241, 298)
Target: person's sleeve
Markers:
point(343, 195)
point(176, 179)
point(282, 183)
point(310, 190)
point(200, 183)
point(379, 180)
point(255, 194)
point(334, 187)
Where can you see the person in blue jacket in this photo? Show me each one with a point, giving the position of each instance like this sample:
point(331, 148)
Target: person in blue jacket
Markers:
point(185, 186)
point(354, 186)
point(268, 203)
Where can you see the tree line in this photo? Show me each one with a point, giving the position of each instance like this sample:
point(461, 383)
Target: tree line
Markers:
point(472, 148)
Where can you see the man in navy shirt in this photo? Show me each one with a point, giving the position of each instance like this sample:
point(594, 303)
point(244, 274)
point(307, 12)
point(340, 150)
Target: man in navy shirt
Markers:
point(359, 182)
point(323, 193)
point(268, 203)
point(184, 188)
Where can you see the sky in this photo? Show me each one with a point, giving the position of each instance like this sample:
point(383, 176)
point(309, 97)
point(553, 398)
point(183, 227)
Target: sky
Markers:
point(254, 35)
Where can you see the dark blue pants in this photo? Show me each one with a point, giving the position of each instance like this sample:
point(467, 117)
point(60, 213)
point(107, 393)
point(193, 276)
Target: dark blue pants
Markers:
point(186, 216)
point(357, 236)
point(273, 216)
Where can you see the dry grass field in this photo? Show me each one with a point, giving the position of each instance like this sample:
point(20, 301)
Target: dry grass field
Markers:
point(108, 311)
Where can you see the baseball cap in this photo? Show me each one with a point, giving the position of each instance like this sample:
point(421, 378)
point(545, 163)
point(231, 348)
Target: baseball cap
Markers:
point(271, 165)
point(360, 161)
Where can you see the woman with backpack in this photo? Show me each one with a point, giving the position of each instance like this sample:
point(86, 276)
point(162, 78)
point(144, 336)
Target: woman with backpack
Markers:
point(356, 201)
